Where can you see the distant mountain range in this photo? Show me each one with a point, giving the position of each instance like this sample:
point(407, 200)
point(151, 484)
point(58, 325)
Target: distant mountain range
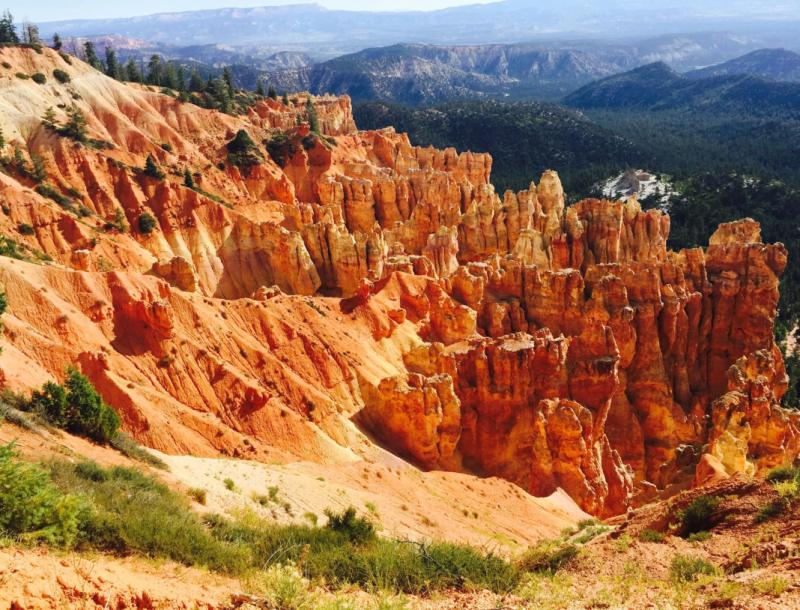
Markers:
point(656, 87)
point(774, 64)
point(429, 74)
point(312, 28)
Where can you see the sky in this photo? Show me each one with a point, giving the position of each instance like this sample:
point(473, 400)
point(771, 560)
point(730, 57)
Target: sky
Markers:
point(57, 10)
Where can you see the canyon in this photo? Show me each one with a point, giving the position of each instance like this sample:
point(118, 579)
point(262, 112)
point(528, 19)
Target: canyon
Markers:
point(348, 293)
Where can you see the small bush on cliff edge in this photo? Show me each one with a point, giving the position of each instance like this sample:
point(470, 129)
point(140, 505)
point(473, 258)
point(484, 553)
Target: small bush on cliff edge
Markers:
point(76, 407)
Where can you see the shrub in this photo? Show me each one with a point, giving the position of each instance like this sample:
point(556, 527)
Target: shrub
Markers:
point(129, 447)
point(243, 152)
point(147, 223)
point(697, 516)
point(61, 76)
point(25, 229)
point(76, 407)
point(547, 557)
point(49, 191)
point(31, 507)
point(782, 473)
point(651, 536)
point(198, 494)
point(166, 146)
point(357, 529)
point(229, 484)
point(699, 536)
point(686, 569)
point(22, 76)
point(129, 511)
point(39, 78)
point(772, 509)
point(283, 586)
point(281, 148)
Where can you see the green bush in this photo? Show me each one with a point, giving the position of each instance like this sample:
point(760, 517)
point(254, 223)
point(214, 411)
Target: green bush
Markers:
point(377, 564)
point(698, 516)
point(686, 569)
point(31, 507)
point(357, 529)
point(147, 223)
point(772, 509)
point(39, 78)
point(49, 191)
point(76, 407)
point(547, 557)
point(25, 229)
point(243, 152)
point(129, 447)
point(61, 76)
point(129, 511)
point(651, 536)
point(22, 76)
point(198, 494)
point(781, 474)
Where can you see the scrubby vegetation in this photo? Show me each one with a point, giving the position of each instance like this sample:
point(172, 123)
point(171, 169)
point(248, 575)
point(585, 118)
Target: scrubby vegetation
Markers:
point(687, 569)
point(147, 223)
point(243, 152)
point(281, 147)
point(786, 482)
point(122, 510)
point(698, 516)
point(31, 507)
point(76, 407)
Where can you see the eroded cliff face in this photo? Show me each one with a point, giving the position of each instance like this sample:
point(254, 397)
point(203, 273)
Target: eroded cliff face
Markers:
point(352, 278)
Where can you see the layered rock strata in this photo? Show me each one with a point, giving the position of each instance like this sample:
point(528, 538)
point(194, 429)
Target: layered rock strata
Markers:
point(350, 277)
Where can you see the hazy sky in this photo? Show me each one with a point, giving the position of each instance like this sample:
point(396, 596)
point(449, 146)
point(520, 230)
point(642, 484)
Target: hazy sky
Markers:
point(55, 10)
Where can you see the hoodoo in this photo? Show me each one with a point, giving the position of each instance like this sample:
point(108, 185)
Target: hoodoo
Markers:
point(319, 294)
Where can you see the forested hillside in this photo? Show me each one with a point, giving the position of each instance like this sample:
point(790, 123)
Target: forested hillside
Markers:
point(524, 138)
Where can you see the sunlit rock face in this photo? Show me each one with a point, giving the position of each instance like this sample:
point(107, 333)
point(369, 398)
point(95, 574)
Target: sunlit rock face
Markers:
point(349, 277)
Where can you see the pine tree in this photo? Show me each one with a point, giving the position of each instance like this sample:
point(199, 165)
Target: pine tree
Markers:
point(188, 179)
point(30, 33)
point(311, 116)
point(169, 77)
point(181, 76)
point(76, 125)
point(39, 171)
point(49, 118)
point(285, 99)
point(20, 162)
point(132, 72)
point(154, 70)
point(57, 44)
point(228, 78)
point(196, 83)
point(8, 32)
point(91, 56)
point(112, 65)
point(151, 169)
point(260, 89)
point(272, 94)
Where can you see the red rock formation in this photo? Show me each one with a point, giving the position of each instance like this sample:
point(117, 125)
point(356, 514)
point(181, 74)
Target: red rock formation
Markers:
point(553, 346)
